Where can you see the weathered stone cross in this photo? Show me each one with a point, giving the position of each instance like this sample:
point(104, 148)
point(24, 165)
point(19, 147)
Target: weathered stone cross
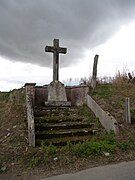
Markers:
point(55, 49)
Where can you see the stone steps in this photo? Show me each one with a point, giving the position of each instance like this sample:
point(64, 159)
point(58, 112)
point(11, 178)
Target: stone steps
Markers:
point(58, 119)
point(60, 125)
point(70, 133)
point(55, 111)
point(64, 140)
point(63, 125)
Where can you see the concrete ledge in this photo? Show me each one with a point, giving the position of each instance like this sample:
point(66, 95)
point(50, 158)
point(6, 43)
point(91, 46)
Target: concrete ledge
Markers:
point(58, 103)
point(30, 84)
point(107, 121)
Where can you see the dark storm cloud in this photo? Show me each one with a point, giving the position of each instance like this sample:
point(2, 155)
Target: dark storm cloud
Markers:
point(26, 26)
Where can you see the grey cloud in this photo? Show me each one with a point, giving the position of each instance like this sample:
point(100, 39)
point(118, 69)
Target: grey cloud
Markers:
point(27, 26)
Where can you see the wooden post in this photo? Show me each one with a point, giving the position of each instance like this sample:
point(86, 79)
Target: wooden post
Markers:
point(127, 110)
point(94, 75)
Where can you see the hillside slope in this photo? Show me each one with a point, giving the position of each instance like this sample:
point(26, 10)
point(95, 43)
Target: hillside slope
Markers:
point(19, 161)
point(13, 128)
point(111, 97)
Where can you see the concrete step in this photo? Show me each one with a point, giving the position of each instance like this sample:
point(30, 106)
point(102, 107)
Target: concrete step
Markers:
point(63, 140)
point(65, 133)
point(56, 108)
point(63, 125)
point(55, 111)
point(58, 119)
point(58, 125)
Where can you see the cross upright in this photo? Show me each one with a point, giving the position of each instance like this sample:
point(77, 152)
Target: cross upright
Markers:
point(55, 49)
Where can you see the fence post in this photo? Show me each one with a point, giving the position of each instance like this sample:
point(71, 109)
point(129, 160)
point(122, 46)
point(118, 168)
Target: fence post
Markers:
point(127, 110)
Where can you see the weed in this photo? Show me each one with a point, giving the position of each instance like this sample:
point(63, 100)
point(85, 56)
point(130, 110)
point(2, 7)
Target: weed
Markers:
point(129, 144)
point(84, 111)
point(111, 137)
point(89, 116)
point(119, 103)
point(93, 147)
point(49, 151)
point(69, 148)
point(35, 161)
point(108, 136)
point(123, 146)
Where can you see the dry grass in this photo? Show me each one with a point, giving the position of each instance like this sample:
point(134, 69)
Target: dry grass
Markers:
point(121, 79)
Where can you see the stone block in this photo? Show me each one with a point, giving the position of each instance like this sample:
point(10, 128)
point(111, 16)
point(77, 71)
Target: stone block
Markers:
point(56, 91)
point(58, 103)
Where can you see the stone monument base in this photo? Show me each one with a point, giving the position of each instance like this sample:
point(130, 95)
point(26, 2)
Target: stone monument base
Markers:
point(57, 95)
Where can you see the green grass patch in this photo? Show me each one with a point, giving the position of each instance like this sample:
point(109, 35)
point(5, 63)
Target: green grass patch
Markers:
point(89, 115)
point(106, 143)
point(104, 90)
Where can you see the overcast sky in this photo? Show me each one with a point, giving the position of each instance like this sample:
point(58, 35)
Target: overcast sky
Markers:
point(85, 27)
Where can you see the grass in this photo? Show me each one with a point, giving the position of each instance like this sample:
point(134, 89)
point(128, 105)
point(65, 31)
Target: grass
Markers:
point(104, 91)
point(111, 97)
point(89, 115)
point(4, 96)
point(12, 127)
point(106, 143)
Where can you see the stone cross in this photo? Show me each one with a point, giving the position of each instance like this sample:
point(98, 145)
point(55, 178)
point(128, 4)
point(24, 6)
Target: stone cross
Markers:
point(55, 49)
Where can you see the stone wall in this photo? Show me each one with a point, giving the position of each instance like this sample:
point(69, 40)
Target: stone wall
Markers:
point(41, 95)
point(76, 94)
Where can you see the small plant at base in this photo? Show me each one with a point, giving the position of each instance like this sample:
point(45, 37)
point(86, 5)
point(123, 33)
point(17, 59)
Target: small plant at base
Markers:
point(49, 150)
point(69, 148)
point(123, 146)
point(35, 161)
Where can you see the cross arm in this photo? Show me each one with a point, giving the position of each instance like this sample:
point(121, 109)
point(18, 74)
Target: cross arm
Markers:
point(62, 50)
point(49, 49)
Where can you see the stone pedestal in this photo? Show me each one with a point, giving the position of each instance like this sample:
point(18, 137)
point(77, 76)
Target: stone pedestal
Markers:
point(57, 95)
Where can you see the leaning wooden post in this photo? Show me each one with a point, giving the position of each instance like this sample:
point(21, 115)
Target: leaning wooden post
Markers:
point(127, 111)
point(94, 75)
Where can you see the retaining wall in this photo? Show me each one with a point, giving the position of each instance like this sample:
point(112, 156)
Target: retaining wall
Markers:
point(107, 121)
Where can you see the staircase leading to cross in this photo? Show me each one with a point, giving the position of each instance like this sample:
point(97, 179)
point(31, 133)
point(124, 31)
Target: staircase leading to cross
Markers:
point(58, 125)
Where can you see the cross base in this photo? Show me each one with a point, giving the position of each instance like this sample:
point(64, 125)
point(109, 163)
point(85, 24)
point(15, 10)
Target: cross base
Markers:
point(58, 103)
point(57, 95)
